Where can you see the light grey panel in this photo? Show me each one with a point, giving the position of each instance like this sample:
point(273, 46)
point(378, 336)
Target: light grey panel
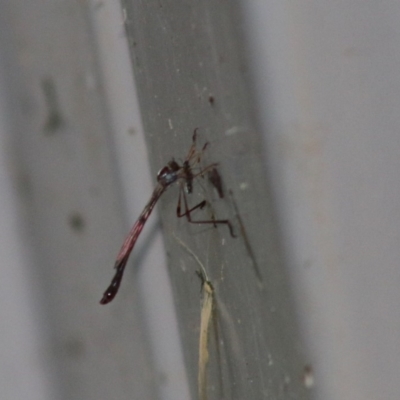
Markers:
point(327, 78)
point(67, 200)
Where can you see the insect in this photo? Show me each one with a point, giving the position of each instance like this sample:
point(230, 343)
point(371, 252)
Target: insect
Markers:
point(171, 173)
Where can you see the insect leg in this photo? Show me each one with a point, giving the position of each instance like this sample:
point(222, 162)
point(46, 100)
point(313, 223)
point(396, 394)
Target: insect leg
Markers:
point(200, 205)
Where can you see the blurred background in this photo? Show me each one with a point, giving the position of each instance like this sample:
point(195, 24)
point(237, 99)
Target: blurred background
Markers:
point(299, 101)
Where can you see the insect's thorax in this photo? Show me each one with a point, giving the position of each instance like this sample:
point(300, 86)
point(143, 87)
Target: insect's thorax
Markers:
point(188, 177)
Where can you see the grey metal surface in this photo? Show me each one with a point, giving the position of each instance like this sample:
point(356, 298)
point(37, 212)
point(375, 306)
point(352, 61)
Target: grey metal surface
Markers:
point(190, 73)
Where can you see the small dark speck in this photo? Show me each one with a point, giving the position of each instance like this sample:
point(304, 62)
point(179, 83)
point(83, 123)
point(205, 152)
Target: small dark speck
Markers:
point(53, 123)
point(54, 119)
point(308, 377)
point(76, 222)
point(211, 100)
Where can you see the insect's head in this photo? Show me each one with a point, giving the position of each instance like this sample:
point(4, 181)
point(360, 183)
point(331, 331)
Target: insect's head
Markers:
point(168, 174)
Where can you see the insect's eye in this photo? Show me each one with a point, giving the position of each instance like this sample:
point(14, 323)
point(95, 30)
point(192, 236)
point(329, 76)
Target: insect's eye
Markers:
point(167, 175)
point(163, 172)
